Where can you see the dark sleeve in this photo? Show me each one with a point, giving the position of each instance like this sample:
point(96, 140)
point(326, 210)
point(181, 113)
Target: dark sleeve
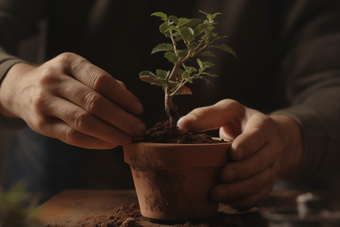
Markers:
point(311, 70)
point(18, 21)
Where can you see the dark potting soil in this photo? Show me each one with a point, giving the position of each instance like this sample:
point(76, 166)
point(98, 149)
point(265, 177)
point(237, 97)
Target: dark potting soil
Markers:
point(130, 216)
point(165, 132)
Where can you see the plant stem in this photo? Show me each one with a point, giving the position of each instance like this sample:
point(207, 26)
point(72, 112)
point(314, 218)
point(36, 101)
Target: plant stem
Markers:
point(170, 109)
point(173, 42)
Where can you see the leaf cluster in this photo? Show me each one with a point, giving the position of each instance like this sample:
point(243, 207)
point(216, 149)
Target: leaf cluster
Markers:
point(13, 208)
point(195, 38)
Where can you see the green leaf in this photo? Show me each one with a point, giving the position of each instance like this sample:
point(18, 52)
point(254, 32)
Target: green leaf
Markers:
point(200, 63)
point(216, 14)
point(210, 74)
point(193, 22)
point(177, 36)
point(200, 28)
point(187, 33)
point(208, 64)
point(219, 37)
point(191, 31)
point(212, 16)
point(201, 11)
point(147, 73)
point(163, 27)
point(182, 22)
point(160, 14)
point(162, 47)
point(182, 53)
point(186, 75)
point(203, 78)
point(192, 45)
point(171, 56)
point(205, 38)
point(174, 19)
point(191, 69)
point(206, 80)
point(226, 48)
point(171, 28)
point(208, 54)
point(162, 74)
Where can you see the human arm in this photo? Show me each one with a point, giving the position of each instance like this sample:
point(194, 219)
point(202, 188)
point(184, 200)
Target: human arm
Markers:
point(18, 20)
point(308, 56)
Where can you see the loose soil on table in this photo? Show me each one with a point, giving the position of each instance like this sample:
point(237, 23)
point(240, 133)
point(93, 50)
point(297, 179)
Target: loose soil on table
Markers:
point(130, 216)
point(165, 132)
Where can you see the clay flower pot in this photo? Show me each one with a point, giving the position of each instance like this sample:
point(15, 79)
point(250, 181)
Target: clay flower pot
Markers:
point(173, 181)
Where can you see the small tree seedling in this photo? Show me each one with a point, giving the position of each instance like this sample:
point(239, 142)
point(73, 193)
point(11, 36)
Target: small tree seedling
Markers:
point(190, 38)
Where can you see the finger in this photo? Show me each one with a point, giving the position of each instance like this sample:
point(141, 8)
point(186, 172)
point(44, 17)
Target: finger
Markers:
point(101, 107)
point(84, 122)
point(253, 199)
point(266, 156)
point(236, 191)
point(258, 130)
point(55, 128)
point(100, 81)
point(227, 113)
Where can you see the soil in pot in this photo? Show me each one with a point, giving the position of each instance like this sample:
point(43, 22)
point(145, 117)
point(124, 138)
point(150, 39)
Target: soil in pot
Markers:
point(173, 180)
point(165, 132)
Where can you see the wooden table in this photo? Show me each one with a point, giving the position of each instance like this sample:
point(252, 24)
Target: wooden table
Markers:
point(66, 208)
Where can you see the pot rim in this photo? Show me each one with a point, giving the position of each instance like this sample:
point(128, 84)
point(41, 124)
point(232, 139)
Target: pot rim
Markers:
point(178, 155)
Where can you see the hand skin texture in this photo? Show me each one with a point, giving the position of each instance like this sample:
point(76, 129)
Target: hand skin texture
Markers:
point(264, 148)
point(70, 99)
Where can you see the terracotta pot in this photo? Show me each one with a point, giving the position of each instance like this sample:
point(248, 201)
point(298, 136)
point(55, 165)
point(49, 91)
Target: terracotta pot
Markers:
point(173, 181)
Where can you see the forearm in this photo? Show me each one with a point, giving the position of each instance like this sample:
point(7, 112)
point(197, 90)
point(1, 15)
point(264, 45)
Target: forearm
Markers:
point(291, 139)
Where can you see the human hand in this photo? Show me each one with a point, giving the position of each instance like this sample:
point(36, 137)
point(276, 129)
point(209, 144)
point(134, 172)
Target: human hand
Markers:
point(70, 99)
point(261, 150)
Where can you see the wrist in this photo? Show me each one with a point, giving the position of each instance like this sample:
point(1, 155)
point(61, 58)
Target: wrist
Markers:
point(8, 88)
point(290, 136)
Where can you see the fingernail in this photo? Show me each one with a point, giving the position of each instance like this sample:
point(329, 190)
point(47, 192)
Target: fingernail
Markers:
point(139, 129)
point(185, 118)
point(179, 123)
point(136, 108)
point(240, 153)
point(222, 194)
point(231, 174)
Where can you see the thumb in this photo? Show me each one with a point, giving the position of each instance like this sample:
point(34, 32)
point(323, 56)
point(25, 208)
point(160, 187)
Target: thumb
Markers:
point(226, 113)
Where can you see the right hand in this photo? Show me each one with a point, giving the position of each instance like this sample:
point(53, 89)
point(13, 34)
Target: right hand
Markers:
point(264, 147)
point(73, 100)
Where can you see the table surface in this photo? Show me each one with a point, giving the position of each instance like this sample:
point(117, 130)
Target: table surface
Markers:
point(66, 208)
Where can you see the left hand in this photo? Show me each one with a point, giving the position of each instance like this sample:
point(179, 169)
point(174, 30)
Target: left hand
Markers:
point(257, 151)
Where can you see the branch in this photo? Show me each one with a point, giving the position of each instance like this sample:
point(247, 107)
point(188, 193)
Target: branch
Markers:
point(173, 42)
point(184, 40)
